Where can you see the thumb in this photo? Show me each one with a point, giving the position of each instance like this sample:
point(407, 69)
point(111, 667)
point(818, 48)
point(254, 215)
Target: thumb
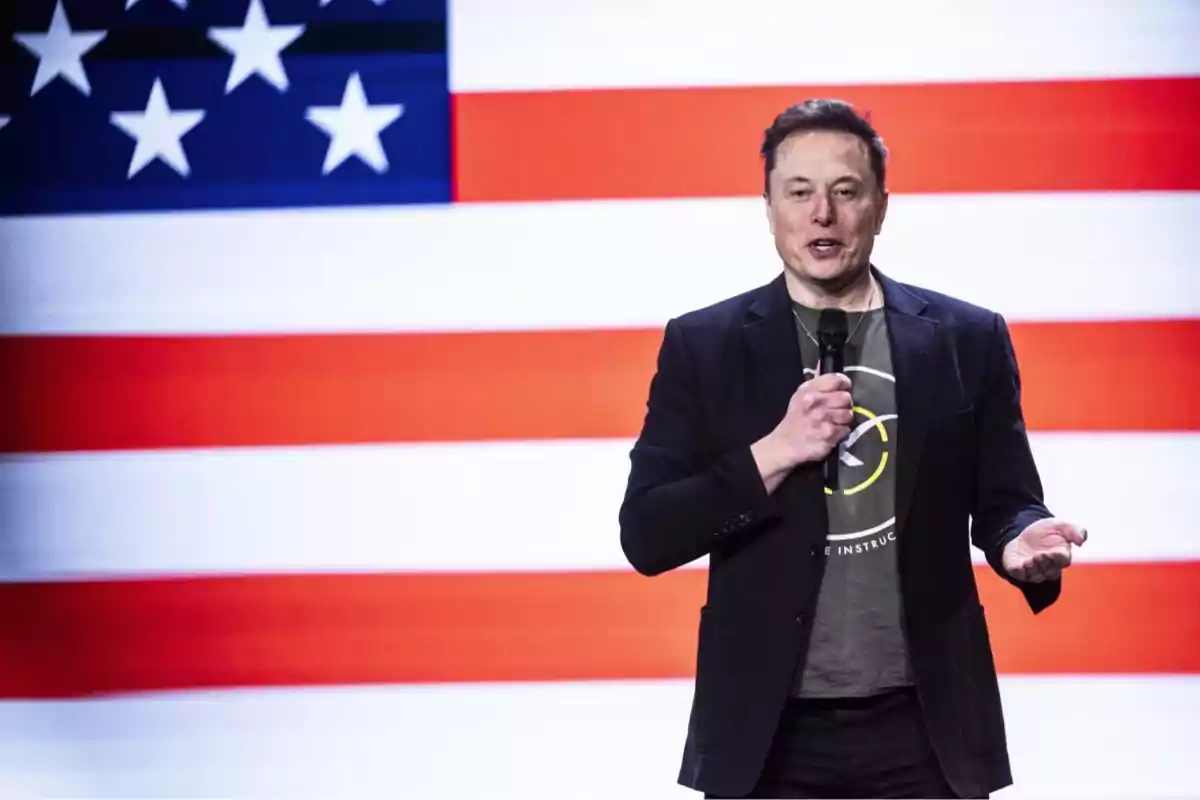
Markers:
point(1072, 533)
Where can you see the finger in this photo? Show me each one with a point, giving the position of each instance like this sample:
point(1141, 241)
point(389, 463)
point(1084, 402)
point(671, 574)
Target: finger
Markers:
point(1049, 565)
point(1035, 568)
point(833, 433)
point(841, 416)
point(831, 382)
point(1055, 557)
point(834, 399)
point(1049, 572)
point(1074, 534)
point(840, 400)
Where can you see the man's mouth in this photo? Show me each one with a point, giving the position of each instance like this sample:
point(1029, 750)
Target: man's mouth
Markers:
point(825, 247)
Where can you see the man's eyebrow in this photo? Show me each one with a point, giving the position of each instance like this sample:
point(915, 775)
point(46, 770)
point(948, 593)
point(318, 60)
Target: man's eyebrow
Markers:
point(841, 179)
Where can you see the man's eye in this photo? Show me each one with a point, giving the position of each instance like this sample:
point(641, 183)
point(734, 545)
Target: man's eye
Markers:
point(847, 192)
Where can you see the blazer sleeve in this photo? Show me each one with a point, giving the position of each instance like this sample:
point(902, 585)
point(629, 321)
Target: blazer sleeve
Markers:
point(680, 500)
point(1008, 494)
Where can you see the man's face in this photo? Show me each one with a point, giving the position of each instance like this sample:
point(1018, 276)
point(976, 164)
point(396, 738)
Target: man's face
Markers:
point(824, 206)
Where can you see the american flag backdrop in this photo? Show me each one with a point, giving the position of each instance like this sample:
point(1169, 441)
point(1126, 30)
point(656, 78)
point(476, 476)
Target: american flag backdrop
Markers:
point(327, 326)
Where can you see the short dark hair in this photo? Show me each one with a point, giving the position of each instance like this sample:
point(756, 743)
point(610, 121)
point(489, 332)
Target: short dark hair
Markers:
point(823, 114)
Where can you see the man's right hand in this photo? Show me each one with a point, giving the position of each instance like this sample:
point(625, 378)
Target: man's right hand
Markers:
point(818, 417)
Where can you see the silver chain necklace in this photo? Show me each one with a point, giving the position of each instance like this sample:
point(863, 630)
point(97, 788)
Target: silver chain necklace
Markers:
point(796, 314)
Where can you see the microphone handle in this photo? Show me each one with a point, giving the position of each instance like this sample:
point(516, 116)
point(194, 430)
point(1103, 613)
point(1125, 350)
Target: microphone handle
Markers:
point(832, 360)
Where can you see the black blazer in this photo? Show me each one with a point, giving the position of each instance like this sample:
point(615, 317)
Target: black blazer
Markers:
point(965, 475)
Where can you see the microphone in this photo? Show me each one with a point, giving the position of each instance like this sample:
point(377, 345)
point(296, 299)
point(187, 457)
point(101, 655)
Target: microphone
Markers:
point(832, 332)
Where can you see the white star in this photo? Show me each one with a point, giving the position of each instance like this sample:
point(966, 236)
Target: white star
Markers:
point(4, 120)
point(255, 48)
point(178, 3)
point(354, 127)
point(376, 2)
point(158, 131)
point(60, 51)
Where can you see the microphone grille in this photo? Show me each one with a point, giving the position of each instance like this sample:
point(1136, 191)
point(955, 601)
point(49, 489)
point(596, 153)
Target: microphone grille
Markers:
point(833, 321)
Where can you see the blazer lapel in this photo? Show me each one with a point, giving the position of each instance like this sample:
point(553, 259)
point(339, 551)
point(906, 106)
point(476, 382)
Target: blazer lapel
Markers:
point(913, 340)
point(774, 364)
point(774, 373)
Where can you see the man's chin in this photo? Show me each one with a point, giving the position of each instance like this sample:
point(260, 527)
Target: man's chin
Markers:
point(829, 275)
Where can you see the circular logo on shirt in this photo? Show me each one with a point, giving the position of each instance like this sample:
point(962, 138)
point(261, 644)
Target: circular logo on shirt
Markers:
point(872, 423)
point(865, 456)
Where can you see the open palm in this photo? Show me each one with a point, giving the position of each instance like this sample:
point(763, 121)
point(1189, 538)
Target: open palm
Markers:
point(1043, 550)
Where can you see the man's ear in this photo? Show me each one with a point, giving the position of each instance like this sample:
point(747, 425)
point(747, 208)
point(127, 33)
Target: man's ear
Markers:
point(767, 209)
point(883, 207)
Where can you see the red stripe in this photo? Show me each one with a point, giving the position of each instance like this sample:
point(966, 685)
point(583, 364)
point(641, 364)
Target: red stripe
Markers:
point(1110, 376)
point(81, 393)
point(702, 142)
point(79, 638)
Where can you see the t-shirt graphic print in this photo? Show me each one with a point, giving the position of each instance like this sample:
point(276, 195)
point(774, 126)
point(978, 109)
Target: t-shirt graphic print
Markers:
point(857, 645)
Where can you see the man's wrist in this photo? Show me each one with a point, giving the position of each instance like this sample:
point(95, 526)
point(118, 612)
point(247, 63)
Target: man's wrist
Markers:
point(773, 459)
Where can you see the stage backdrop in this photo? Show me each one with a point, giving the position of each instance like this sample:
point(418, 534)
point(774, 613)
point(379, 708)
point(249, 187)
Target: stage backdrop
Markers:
point(327, 326)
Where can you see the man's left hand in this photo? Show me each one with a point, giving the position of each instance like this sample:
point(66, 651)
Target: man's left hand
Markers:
point(1043, 550)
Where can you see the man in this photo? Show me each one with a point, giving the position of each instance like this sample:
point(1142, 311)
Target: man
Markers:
point(842, 649)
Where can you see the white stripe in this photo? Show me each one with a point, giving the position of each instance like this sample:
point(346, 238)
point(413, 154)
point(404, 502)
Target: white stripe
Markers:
point(556, 44)
point(560, 265)
point(583, 740)
point(541, 506)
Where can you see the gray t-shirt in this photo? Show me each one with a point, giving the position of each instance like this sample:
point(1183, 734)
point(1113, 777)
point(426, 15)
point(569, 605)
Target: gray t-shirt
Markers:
point(857, 645)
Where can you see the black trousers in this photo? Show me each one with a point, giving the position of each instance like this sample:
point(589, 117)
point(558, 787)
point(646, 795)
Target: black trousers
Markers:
point(853, 747)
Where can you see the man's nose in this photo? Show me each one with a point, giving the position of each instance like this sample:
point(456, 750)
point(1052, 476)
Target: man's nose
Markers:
point(822, 212)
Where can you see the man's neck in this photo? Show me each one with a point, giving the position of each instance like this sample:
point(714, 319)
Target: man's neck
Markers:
point(860, 294)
